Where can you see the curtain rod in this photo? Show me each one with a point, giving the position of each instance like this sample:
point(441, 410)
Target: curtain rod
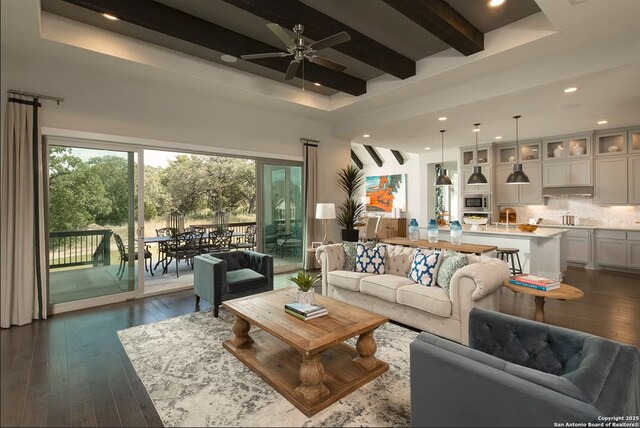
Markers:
point(58, 100)
point(308, 140)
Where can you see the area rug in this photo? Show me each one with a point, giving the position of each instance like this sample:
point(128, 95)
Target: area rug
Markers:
point(194, 381)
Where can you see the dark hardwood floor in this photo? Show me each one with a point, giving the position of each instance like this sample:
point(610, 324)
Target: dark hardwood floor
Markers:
point(71, 369)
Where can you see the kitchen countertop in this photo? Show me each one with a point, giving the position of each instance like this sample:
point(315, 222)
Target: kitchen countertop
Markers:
point(541, 232)
point(630, 228)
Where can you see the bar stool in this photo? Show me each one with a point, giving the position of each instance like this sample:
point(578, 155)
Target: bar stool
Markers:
point(506, 252)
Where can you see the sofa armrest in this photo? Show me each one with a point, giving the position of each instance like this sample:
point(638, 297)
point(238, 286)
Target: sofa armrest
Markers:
point(262, 263)
point(487, 275)
point(330, 257)
point(209, 278)
point(447, 377)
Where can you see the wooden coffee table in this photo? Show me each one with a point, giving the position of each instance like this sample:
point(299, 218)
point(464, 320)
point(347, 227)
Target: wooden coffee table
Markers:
point(305, 361)
point(565, 292)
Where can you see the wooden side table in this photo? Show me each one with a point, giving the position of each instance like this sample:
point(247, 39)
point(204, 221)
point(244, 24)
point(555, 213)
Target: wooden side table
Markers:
point(565, 292)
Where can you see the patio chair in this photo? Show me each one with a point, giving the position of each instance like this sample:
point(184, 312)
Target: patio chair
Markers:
point(249, 240)
point(187, 246)
point(162, 246)
point(290, 242)
point(124, 257)
point(219, 240)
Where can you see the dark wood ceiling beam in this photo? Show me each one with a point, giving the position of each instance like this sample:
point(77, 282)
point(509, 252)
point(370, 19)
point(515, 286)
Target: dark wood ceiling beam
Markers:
point(356, 159)
point(172, 22)
point(317, 25)
point(373, 154)
point(398, 156)
point(444, 22)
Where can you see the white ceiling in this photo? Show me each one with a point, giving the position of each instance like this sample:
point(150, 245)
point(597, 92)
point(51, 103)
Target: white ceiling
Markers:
point(594, 45)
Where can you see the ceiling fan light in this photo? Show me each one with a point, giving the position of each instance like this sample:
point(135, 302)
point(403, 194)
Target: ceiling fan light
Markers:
point(517, 176)
point(477, 177)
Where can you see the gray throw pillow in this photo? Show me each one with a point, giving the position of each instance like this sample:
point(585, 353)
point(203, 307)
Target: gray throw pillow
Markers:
point(451, 263)
point(350, 254)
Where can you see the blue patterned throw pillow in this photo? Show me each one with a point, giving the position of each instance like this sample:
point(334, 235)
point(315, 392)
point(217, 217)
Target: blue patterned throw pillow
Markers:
point(370, 260)
point(424, 268)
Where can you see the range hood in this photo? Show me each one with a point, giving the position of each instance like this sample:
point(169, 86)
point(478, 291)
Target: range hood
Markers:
point(566, 192)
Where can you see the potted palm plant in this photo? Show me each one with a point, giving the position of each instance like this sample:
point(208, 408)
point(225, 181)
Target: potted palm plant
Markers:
point(349, 180)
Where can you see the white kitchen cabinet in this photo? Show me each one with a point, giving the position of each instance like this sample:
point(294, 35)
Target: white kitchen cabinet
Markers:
point(611, 180)
point(554, 174)
point(469, 156)
point(633, 254)
point(579, 246)
point(531, 193)
point(611, 143)
point(634, 141)
point(572, 147)
point(506, 193)
point(579, 172)
point(634, 179)
point(611, 252)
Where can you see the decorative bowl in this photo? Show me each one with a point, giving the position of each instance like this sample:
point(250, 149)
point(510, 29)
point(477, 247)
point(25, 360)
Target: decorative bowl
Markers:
point(525, 227)
point(474, 221)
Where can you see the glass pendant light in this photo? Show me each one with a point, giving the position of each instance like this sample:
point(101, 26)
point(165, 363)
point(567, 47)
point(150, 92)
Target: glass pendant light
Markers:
point(517, 176)
point(443, 179)
point(477, 177)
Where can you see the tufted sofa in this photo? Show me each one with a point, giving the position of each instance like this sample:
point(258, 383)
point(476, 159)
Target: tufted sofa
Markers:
point(518, 372)
point(397, 297)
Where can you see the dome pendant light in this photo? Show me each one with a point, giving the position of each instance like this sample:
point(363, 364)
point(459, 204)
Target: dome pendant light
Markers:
point(443, 179)
point(477, 177)
point(517, 176)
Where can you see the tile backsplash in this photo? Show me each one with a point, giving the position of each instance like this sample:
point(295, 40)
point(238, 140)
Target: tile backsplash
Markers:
point(585, 211)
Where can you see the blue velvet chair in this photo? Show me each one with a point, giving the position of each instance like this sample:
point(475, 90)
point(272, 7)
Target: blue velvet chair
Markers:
point(228, 275)
point(517, 372)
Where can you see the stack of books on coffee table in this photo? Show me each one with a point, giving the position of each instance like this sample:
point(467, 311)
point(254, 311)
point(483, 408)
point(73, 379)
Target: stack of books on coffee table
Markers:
point(535, 282)
point(305, 311)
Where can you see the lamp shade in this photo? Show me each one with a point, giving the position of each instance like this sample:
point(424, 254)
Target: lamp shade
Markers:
point(477, 177)
point(443, 179)
point(517, 176)
point(325, 211)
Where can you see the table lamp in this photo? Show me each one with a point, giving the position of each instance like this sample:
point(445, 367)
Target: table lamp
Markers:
point(325, 212)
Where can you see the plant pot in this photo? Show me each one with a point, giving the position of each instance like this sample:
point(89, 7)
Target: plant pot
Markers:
point(307, 297)
point(350, 235)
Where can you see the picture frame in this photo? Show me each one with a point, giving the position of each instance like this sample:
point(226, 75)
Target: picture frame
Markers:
point(315, 244)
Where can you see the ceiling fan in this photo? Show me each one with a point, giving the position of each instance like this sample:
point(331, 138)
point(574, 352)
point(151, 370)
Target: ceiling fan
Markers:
point(300, 49)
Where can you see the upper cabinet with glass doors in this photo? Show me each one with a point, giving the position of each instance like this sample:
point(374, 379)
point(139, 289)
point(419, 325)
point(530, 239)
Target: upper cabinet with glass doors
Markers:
point(574, 147)
point(482, 156)
point(610, 143)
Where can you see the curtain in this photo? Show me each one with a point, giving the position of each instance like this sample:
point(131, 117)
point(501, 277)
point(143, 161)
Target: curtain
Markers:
point(23, 250)
point(310, 198)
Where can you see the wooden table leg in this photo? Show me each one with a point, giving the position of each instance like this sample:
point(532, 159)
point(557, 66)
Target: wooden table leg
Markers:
point(539, 315)
point(366, 347)
point(312, 375)
point(241, 338)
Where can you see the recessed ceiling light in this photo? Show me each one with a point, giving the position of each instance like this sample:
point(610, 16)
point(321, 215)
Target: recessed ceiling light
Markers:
point(427, 148)
point(569, 90)
point(110, 17)
point(603, 122)
point(366, 135)
point(317, 83)
point(442, 118)
point(229, 58)
point(496, 3)
point(498, 137)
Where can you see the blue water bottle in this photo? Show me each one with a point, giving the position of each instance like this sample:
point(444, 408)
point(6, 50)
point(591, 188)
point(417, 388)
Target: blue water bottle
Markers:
point(414, 231)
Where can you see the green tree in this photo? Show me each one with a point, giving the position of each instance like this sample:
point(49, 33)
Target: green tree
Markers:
point(112, 172)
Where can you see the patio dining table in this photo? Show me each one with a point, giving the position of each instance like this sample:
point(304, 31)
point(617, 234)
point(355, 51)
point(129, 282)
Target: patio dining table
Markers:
point(160, 240)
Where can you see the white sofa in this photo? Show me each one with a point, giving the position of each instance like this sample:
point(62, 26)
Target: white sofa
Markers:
point(397, 297)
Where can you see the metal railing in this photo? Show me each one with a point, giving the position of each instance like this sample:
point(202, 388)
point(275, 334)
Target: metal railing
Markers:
point(80, 247)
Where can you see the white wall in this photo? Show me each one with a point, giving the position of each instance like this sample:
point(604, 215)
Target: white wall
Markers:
point(415, 188)
point(101, 96)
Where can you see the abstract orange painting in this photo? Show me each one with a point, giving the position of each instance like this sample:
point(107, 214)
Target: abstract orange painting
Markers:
point(386, 192)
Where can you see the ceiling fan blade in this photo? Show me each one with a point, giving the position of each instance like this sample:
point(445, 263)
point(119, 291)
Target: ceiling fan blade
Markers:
point(291, 70)
point(327, 63)
point(336, 39)
point(265, 55)
point(282, 35)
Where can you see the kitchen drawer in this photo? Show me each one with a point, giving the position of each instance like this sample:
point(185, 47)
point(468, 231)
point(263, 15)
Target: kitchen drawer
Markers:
point(633, 236)
point(578, 233)
point(612, 234)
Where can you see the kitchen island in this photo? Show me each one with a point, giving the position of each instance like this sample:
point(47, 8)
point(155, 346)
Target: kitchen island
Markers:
point(543, 252)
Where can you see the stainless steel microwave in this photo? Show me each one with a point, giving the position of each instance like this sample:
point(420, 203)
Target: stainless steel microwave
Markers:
point(477, 202)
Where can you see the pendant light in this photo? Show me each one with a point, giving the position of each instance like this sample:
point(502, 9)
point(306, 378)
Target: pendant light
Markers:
point(477, 177)
point(443, 179)
point(517, 176)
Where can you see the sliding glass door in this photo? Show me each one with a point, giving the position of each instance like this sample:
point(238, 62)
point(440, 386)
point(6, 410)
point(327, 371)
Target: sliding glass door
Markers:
point(281, 213)
point(92, 219)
